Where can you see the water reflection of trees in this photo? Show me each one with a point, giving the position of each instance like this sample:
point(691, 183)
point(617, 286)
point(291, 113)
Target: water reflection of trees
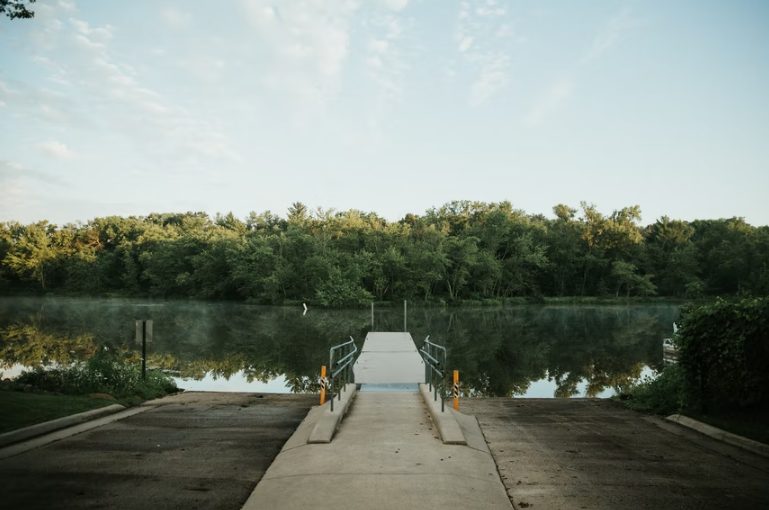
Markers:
point(499, 352)
point(193, 339)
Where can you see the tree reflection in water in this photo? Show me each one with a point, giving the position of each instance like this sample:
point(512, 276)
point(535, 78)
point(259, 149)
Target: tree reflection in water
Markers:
point(498, 351)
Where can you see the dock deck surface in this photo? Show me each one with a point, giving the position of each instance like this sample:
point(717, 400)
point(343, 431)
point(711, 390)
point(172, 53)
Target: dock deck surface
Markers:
point(389, 358)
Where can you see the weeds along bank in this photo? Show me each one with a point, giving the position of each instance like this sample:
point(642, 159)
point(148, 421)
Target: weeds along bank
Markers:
point(100, 374)
point(721, 376)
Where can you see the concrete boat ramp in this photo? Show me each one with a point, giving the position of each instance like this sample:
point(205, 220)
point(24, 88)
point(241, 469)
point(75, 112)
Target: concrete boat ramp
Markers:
point(387, 453)
point(392, 450)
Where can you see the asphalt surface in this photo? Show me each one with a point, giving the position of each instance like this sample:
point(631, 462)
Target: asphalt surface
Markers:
point(197, 450)
point(590, 453)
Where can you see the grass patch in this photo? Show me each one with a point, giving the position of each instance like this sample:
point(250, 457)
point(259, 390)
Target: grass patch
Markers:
point(24, 409)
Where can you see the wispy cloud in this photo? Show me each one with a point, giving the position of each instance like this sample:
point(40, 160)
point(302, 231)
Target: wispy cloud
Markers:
point(552, 99)
point(56, 149)
point(560, 92)
point(608, 36)
point(176, 19)
point(386, 58)
point(117, 99)
point(304, 44)
point(395, 5)
point(67, 6)
point(9, 170)
point(483, 29)
point(13, 172)
point(16, 181)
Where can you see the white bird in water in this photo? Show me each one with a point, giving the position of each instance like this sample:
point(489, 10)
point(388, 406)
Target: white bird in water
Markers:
point(305, 309)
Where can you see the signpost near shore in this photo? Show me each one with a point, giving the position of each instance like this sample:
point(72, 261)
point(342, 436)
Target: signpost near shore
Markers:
point(144, 336)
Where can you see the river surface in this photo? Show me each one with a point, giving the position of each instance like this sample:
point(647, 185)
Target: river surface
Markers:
point(527, 351)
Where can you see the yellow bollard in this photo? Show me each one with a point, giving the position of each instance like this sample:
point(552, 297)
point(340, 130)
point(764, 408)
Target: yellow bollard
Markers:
point(456, 390)
point(322, 385)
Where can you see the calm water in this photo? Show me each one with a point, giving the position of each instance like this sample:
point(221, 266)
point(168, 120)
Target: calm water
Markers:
point(534, 351)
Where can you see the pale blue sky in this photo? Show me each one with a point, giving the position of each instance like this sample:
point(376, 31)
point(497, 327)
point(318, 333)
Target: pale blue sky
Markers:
point(392, 106)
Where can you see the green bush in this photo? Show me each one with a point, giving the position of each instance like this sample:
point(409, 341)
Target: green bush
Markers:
point(663, 394)
point(98, 375)
point(724, 351)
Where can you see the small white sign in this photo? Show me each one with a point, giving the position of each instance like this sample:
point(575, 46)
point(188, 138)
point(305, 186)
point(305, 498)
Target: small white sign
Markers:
point(148, 331)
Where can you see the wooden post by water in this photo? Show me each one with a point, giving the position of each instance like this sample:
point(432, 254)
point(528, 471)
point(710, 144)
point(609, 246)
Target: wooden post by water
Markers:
point(144, 336)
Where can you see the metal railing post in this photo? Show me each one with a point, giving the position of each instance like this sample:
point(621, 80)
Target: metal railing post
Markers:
point(341, 370)
point(434, 357)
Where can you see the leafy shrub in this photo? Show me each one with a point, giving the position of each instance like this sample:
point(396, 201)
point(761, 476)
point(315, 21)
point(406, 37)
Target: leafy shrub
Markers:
point(98, 375)
point(724, 351)
point(663, 394)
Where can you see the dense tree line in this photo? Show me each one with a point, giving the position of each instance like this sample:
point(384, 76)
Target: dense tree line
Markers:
point(460, 251)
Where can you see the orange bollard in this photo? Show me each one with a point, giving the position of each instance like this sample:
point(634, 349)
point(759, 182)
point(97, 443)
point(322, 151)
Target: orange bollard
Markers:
point(322, 385)
point(456, 390)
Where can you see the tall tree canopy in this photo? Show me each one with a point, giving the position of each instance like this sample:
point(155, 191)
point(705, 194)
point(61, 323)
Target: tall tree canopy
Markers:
point(458, 252)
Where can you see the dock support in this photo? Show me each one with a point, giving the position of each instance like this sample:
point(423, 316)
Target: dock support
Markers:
point(405, 316)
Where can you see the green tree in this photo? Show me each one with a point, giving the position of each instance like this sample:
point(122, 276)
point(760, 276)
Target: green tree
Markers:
point(627, 274)
point(16, 9)
point(33, 252)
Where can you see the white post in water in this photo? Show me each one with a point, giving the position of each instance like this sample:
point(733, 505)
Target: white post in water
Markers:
point(372, 316)
point(405, 323)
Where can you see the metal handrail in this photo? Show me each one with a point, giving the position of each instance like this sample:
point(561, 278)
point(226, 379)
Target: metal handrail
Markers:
point(431, 353)
point(342, 368)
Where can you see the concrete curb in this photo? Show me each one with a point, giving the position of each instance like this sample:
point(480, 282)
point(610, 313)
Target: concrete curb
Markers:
point(302, 433)
point(445, 422)
point(721, 435)
point(57, 435)
point(39, 429)
point(328, 422)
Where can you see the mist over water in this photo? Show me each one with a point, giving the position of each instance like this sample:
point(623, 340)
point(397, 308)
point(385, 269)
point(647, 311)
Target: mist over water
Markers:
point(531, 351)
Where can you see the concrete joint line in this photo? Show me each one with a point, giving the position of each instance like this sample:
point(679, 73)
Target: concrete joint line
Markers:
point(382, 473)
point(485, 452)
point(721, 435)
